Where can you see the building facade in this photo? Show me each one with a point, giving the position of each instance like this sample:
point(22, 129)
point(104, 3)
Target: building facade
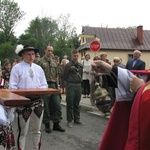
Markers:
point(116, 42)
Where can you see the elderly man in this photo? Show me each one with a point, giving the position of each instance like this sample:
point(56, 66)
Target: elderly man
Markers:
point(130, 120)
point(27, 74)
point(136, 63)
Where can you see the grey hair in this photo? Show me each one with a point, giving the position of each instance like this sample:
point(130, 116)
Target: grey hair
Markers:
point(137, 51)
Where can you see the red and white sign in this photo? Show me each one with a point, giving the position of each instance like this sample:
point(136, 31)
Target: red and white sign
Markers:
point(95, 46)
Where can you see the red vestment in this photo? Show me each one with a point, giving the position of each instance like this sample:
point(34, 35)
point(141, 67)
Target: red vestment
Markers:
point(129, 125)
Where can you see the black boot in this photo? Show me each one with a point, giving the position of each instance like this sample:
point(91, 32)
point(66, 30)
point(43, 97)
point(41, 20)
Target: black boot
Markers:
point(47, 128)
point(57, 127)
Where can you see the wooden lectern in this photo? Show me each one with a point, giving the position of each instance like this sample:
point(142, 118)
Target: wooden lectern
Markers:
point(15, 97)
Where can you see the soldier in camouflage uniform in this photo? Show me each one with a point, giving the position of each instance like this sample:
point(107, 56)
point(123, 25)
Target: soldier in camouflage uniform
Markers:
point(73, 78)
point(51, 101)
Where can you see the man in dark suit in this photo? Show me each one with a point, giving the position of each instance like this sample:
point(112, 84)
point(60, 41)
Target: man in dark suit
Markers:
point(135, 63)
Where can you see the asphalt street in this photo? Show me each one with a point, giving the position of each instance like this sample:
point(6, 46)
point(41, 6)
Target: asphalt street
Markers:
point(80, 137)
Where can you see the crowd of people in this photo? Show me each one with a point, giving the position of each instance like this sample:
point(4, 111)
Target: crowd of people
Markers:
point(34, 71)
point(72, 77)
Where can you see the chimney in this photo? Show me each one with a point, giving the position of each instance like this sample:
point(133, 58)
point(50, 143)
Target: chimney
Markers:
point(140, 34)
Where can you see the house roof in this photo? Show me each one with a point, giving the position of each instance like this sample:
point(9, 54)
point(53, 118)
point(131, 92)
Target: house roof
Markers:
point(116, 38)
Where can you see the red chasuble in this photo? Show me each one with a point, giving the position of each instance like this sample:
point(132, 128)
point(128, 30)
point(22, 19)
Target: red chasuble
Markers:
point(129, 125)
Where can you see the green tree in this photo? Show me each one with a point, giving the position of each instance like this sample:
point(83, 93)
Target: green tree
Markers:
point(61, 47)
point(73, 42)
point(7, 50)
point(2, 37)
point(10, 15)
point(44, 31)
point(67, 39)
point(27, 39)
point(60, 33)
point(12, 39)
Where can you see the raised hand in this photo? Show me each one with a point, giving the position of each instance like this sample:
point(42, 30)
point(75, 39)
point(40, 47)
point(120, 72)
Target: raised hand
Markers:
point(100, 66)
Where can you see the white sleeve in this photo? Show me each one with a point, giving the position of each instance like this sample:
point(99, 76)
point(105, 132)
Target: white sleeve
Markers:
point(43, 80)
point(7, 115)
point(3, 118)
point(123, 92)
point(83, 64)
point(13, 81)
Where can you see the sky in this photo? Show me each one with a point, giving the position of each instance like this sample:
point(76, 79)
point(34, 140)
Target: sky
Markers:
point(96, 13)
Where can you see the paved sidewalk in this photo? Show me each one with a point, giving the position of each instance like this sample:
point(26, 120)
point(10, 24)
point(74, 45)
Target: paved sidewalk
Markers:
point(86, 105)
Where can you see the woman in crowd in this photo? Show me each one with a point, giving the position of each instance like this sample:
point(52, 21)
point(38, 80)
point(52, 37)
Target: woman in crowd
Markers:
point(86, 77)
